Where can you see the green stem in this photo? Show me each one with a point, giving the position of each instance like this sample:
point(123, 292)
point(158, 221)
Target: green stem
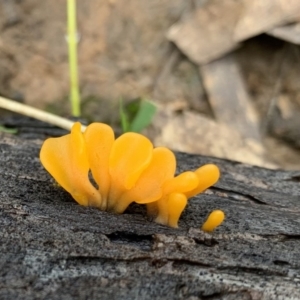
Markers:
point(72, 41)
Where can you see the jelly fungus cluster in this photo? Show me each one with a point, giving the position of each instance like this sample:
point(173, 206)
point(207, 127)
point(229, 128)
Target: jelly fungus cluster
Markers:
point(127, 169)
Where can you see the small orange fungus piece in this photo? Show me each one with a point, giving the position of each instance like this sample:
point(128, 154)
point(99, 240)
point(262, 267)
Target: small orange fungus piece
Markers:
point(65, 158)
point(182, 183)
point(214, 220)
point(208, 175)
point(176, 204)
point(148, 187)
point(130, 155)
point(99, 139)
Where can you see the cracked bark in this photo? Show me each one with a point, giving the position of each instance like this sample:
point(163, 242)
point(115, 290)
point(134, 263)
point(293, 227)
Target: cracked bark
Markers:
point(52, 248)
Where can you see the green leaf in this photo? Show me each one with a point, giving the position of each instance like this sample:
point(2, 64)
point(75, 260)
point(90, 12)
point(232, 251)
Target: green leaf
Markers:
point(143, 117)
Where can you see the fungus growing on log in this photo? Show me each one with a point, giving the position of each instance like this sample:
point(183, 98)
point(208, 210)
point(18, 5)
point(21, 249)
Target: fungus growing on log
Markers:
point(127, 169)
point(214, 220)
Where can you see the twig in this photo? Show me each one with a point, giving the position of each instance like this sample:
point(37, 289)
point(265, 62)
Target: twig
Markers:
point(36, 114)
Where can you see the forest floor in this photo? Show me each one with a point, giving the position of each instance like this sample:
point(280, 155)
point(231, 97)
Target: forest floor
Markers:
point(234, 90)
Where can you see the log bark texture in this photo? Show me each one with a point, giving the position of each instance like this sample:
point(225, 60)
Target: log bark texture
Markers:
point(52, 248)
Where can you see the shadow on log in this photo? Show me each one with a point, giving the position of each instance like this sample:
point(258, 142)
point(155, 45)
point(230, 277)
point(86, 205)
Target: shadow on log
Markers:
point(52, 248)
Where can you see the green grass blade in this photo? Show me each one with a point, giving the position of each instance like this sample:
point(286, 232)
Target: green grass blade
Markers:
point(72, 42)
point(123, 117)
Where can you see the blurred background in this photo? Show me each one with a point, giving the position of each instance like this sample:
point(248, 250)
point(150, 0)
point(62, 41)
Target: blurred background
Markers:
point(224, 74)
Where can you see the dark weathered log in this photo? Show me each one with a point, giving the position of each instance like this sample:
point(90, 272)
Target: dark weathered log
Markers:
point(52, 248)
